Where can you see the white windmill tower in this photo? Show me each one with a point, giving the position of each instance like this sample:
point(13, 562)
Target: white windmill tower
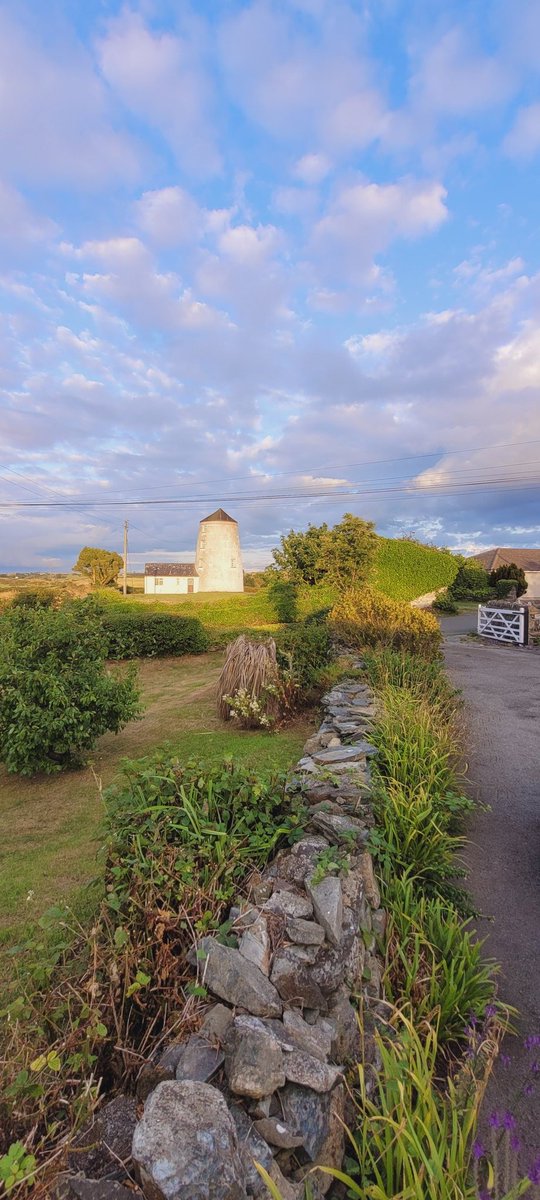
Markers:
point(218, 557)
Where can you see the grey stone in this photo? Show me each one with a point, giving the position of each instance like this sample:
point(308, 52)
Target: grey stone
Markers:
point(294, 864)
point(314, 1039)
point(292, 976)
point(332, 1150)
point(342, 754)
point(354, 893)
point(243, 917)
point(327, 902)
point(307, 1114)
point(347, 1039)
point(200, 1060)
point(365, 865)
point(254, 945)
point(216, 1023)
point(373, 986)
point(306, 765)
point(340, 829)
point(305, 1069)
point(305, 933)
point(148, 1078)
point(238, 981)
point(252, 1148)
point(276, 1134)
point(379, 920)
point(186, 1146)
point(254, 1059)
point(103, 1147)
point(289, 904)
point(170, 1057)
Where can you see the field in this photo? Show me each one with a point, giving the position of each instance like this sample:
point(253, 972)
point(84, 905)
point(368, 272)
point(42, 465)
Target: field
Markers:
point(49, 825)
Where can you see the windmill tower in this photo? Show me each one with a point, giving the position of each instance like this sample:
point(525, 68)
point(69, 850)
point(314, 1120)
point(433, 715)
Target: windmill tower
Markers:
point(218, 557)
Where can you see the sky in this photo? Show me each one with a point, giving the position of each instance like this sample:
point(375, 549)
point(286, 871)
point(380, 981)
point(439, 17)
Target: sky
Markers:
point(281, 256)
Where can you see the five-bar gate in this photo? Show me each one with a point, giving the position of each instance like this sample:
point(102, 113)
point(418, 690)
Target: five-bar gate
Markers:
point(504, 624)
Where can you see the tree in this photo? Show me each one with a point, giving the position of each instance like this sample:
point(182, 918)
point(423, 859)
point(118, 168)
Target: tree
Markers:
point(283, 594)
point(300, 556)
point(101, 566)
point(56, 694)
point(348, 551)
point(471, 581)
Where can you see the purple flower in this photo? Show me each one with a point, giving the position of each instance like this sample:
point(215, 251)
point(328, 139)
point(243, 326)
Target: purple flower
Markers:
point(532, 1041)
point(484, 1195)
point(505, 1060)
point(490, 1010)
point(535, 1067)
point(495, 1120)
point(478, 1149)
point(509, 1121)
point(534, 1171)
point(529, 1089)
point(515, 1143)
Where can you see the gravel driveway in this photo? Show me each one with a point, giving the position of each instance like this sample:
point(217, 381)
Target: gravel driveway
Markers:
point(501, 689)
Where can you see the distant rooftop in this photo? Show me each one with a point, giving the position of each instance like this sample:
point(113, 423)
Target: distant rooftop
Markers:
point(501, 556)
point(181, 570)
point(219, 515)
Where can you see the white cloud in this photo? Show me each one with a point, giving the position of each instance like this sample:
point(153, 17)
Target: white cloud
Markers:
point(19, 225)
point(169, 216)
point(523, 140)
point(455, 78)
point(312, 168)
point(161, 78)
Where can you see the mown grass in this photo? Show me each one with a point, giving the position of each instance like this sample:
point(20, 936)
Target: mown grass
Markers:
point(49, 827)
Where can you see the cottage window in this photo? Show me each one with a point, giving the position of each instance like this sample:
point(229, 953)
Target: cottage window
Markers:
point(159, 582)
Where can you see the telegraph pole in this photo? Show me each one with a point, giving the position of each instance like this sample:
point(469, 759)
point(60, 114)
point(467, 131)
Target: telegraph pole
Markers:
point(126, 526)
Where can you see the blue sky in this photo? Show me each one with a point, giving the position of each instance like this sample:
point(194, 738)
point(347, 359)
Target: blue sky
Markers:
point(251, 252)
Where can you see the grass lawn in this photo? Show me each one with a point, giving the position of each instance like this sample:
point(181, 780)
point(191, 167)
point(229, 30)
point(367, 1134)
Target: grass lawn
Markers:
point(49, 825)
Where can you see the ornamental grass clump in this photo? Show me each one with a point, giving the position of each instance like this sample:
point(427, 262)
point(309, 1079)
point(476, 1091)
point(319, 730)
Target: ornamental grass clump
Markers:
point(364, 617)
point(248, 687)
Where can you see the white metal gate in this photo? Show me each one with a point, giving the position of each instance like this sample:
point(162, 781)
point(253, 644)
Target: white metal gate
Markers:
point(504, 624)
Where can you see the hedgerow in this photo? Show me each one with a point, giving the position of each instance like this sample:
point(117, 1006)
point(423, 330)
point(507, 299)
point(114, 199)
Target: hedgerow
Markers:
point(367, 618)
point(132, 634)
point(404, 569)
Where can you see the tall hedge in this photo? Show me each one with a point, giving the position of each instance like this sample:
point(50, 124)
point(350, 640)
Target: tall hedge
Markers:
point(152, 635)
point(404, 569)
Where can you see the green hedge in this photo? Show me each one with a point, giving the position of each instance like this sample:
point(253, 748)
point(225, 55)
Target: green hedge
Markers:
point(405, 570)
point(151, 635)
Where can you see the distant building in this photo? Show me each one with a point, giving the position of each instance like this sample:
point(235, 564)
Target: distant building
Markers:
point(529, 560)
point(162, 579)
point(218, 562)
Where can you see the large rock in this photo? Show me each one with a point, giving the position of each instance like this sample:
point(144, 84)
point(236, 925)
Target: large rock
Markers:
point(343, 754)
point(276, 1134)
point(199, 1060)
point(326, 897)
point(255, 946)
point(216, 1023)
point(365, 866)
point(340, 829)
point(331, 1152)
point(186, 1146)
point(310, 1072)
point(314, 1039)
point(229, 975)
point(304, 933)
point(289, 904)
point(102, 1150)
point(292, 976)
point(347, 1038)
point(307, 1113)
point(293, 865)
point(254, 1059)
point(252, 1148)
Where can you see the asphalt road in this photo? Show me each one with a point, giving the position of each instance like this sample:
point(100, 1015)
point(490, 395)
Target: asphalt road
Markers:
point(501, 689)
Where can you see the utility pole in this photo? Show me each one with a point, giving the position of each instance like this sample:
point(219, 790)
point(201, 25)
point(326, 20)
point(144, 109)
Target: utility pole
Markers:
point(124, 588)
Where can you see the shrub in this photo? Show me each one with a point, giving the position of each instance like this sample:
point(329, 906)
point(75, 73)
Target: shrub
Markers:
point(510, 571)
point(406, 569)
point(248, 684)
point(34, 598)
point(304, 650)
point(367, 618)
point(503, 587)
point(150, 635)
point(471, 581)
point(283, 595)
point(445, 604)
point(56, 695)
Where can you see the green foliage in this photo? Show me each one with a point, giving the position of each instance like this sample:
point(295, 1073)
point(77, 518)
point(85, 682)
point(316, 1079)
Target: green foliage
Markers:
point(284, 596)
point(503, 587)
point(34, 598)
point(445, 604)
point(367, 618)
point(133, 633)
point(305, 649)
point(56, 695)
point(101, 566)
point(433, 960)
point(471, 581)
point(301, 554)
point(348, 552)
point(405, 569)
point(92, 996)
point(509, 571)
point(16, 1167)
point(412, 1140)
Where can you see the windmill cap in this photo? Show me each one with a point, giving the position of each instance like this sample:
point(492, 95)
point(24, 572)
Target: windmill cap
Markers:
point(219, 515)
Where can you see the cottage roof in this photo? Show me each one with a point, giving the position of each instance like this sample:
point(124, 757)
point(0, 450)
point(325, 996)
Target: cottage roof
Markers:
point(219, 515)
point(529, 560)
point(181, 570)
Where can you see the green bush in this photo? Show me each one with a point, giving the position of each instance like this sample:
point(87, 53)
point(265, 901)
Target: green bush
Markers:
point(503, 587)
point(509, 571)
point(445, 604)
point(138, 634)
point(367, 618)
point(471, 581)
point(405, 569)
point(34, 598)
point(304, 650)
point(56, 695)
point(283, 595)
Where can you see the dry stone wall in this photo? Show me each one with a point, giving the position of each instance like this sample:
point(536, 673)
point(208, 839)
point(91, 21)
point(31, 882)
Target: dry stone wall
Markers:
point(263, 1079)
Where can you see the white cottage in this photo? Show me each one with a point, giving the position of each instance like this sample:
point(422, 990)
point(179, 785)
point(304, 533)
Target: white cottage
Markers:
point(170, 579)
